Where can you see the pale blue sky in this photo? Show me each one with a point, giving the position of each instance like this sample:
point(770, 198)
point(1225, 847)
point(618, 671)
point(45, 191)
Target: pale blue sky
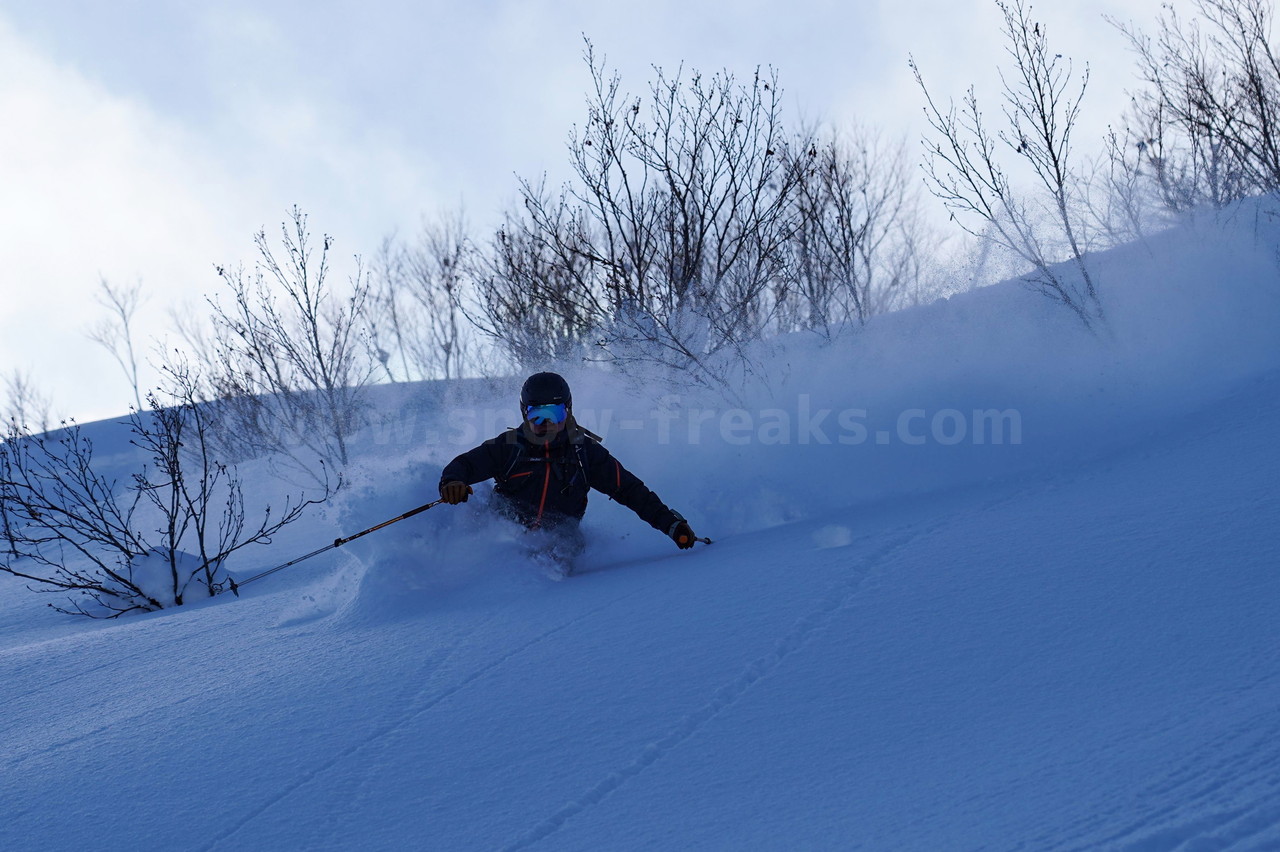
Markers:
point(149, 140)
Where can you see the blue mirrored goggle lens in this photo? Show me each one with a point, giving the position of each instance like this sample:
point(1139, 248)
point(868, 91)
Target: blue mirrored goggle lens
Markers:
point(537, 414)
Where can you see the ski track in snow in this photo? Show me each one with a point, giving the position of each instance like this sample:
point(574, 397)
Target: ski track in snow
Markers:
point(804, 629)
point(1225, 794)
point(147, 651)
point(45, 687)
point(419, 705)
point(315, 612)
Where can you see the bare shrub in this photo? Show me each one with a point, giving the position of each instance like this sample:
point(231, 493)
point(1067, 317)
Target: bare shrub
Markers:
point(156, 539)
point(115, 332)
point(666, 247)
point(287, 359)
point(853, 250)
point(24, 403)
point(421, 291)
point(966, 165)
point(535, 283)
point(1118, 195)
point(1210, 115)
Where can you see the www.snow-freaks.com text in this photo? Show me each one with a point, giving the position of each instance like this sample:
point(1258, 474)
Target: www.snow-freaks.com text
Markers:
point(670, 422)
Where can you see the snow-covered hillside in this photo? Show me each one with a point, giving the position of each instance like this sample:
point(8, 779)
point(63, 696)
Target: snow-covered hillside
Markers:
point(1017, 589)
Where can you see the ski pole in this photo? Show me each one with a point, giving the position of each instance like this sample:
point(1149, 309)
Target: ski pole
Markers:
point(337, 542)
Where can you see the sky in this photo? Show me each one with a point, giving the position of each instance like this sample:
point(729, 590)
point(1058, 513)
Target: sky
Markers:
point(148, 141)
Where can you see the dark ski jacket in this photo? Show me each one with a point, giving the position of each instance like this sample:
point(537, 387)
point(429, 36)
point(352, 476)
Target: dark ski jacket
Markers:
point(545, 485)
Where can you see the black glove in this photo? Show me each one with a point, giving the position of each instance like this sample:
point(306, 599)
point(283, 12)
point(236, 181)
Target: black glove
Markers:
point(682, 534)
point(455, 492)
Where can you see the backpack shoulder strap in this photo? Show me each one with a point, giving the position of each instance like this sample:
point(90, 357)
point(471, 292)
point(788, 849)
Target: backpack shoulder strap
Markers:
point(515, 454)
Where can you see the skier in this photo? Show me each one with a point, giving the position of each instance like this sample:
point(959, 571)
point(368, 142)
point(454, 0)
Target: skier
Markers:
point(544, 469)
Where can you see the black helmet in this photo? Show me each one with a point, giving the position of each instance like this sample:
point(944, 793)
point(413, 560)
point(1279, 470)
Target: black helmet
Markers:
point(545, 389)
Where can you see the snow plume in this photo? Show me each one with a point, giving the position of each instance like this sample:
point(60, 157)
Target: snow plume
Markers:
point(988, 384)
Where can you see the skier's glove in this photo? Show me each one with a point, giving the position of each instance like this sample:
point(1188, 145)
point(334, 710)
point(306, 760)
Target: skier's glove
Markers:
point(455, 492)
point(682, 534)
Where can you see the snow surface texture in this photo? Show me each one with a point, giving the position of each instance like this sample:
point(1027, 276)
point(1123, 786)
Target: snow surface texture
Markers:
point(1070, 642)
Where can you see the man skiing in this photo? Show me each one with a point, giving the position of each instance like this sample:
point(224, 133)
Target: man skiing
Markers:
point(544, 468)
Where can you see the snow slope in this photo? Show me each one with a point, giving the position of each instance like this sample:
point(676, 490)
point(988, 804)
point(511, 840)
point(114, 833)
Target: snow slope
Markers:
point(1070, 642)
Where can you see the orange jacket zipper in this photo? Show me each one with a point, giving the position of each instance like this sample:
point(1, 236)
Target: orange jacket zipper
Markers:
point(546, 481)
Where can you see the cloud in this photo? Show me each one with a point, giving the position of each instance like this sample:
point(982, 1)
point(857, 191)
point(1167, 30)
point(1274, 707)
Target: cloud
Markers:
point(94, 185)
point(101, 184)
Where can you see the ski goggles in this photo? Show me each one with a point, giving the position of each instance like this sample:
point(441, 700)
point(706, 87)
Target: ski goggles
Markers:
point(539, 414)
